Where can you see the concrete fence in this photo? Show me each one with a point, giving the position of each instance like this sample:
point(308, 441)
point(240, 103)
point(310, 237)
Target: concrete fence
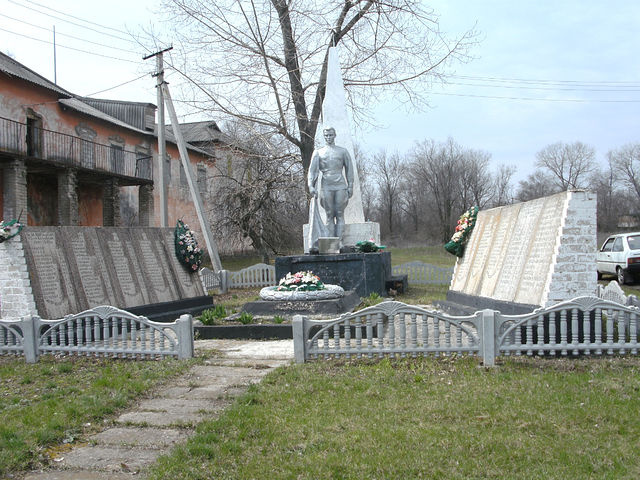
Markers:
point(100, 332)
point(259, 275)
point(424, 273)
point(582, 326)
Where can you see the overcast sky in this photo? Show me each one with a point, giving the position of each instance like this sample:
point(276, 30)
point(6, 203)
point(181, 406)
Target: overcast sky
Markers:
point(542, 72)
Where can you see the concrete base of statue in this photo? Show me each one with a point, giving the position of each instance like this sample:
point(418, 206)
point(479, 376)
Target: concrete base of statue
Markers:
point(328, 292)
point(353, 233)
point(364, 273)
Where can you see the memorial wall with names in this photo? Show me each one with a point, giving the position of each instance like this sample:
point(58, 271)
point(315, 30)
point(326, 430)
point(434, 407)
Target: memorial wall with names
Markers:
point(533, 253)
point(76, 268)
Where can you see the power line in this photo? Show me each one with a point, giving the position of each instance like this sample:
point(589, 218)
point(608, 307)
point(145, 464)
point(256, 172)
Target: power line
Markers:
point(603, 83)
point(77, 18)
point(73, 23)
point(70, 48)
point(116, 86)
point(552, 88)
point(569, 100)
point(65, 35)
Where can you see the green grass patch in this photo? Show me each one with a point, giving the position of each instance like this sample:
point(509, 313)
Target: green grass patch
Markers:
point(435, 255)
point(425, 418)
point(236, 263)
point(52, 401)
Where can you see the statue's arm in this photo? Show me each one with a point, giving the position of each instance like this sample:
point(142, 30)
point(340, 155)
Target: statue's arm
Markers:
point(314, 171)
point(348, 170)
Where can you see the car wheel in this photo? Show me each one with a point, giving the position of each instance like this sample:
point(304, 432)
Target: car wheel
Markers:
point(622, 277)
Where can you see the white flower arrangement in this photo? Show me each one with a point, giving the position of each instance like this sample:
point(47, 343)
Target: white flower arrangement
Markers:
point(300, 281)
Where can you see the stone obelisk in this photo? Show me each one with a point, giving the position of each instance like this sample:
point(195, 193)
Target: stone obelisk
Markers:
point(334, 114)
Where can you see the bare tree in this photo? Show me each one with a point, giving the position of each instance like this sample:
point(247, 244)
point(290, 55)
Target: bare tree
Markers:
point(475, 179)
point(502, 188)
point(266, 60)
point(388, 171)
point(536, 185)
point(569, 164)
point(437, 168)
point(367, 188)
point(605, 183)
point(259, 195)
point(627, 161)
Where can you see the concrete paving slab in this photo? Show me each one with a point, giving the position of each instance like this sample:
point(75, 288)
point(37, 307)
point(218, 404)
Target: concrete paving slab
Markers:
point(109, 459)
point(245, 348)
point(140, 437)
point(78, 475)
point(163, 419)
point(177, 406)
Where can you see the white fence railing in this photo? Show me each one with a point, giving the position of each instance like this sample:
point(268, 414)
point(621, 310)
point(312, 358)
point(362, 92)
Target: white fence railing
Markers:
point(424, 273)
point(585, 325)
point(262, 275)
point(101, 331)
point(614, 293)
point(259, 275)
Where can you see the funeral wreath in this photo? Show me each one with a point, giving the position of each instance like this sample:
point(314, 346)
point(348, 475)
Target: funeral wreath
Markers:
point(187, 249)
point(463, 230)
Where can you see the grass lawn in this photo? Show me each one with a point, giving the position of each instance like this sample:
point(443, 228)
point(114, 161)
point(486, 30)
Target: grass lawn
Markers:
point(53, 402)
point(425, 418)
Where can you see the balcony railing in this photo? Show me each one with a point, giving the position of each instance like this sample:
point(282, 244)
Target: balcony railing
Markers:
point(31, 141)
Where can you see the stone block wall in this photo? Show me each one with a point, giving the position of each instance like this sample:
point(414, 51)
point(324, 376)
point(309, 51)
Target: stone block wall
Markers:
point(16, 295)
point(574, 266)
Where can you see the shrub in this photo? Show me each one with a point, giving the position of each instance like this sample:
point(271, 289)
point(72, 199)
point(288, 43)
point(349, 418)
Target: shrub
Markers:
point(245, 318)
point(212, 316)
point(278, 319)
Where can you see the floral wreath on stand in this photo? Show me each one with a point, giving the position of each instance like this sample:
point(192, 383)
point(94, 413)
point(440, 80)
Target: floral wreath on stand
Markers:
point(187, 249)
point(300, 282)
point(9, 229)
point(464, 228)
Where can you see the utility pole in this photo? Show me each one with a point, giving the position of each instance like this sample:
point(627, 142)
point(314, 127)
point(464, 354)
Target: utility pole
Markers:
point(55, 68)
point(162, 144)
point(195, 193)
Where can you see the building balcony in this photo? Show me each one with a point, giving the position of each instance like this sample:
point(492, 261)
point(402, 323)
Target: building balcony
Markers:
point(62, 150)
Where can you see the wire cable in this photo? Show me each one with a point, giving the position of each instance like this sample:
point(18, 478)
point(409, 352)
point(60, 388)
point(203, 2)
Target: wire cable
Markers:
point(116, 86)
point(65, 35)
point(73, 23)
point(71, 48)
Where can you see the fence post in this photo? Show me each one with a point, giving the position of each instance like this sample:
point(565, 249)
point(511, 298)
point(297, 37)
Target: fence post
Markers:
point(224, 281)
point(487, 332)
point(184, 329)
point(29, 338)
point(299, 342)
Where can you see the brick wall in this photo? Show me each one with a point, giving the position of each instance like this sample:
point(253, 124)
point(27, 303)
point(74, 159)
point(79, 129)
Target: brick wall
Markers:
point(16, 296)
point(574, 272)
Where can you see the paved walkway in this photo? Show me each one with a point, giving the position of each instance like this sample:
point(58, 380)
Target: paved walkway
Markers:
point(149, 429)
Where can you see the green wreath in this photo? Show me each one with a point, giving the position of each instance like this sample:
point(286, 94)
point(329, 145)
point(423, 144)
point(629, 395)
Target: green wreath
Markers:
point(464, 228)
point(187, 249)
point(9, 229)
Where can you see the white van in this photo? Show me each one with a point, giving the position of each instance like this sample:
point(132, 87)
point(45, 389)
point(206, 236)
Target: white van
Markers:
point(620, 256)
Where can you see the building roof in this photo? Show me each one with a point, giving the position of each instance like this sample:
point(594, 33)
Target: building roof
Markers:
point(82, 107)
point(203, 132)
point(14, 68)
point(129, 115)
point(140, 115)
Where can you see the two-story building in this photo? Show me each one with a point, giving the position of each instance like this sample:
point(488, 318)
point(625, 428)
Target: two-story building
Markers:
point(69, 160)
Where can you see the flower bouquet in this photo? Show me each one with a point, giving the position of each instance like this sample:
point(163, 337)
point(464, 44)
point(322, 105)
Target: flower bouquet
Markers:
point(9, 229)
point(463, 230)
point(187, 249)
point(301, 282)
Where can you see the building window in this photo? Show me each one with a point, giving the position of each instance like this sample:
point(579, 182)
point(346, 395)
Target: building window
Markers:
point(34, 135)
point(143, 164)
point(202, 179)
point(117, 159)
